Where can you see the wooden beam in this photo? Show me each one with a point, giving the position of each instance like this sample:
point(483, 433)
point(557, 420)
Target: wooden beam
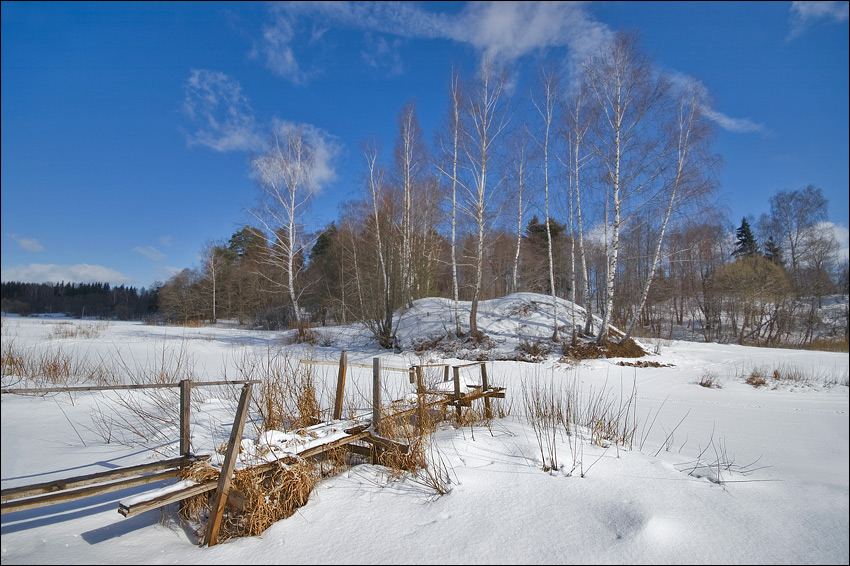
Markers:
point(224, 477)
point(71, 495)
point(98, 477)
point(166, 499)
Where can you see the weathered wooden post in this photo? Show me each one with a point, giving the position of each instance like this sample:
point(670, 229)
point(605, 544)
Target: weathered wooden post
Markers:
point(376, 395)
point(223, 489)
point(446, 372)
point(376, 406)
point(420, 399)
point(185, 413)
point(485, 386)
point(340, 385)
point(457, 392)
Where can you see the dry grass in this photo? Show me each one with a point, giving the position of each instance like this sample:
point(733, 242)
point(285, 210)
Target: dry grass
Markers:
point(591, 350)
point(709, 379)
point(266, 497)
point(830, 344)
point(788, 374)
point(78, 330)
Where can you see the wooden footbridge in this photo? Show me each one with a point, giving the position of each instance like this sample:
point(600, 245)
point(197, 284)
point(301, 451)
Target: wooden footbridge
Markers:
point(351, 434)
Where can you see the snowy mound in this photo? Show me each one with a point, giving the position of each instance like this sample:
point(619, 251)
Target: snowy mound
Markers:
point(507, 322)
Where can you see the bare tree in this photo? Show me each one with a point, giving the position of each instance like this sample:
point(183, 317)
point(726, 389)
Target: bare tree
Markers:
point(411, 162)
point(380, 322)
point(546, 108)
point(626, 140)
point(451, 149)
point(285, 178)
point(578, 122)
point(686, 180)
point(487, 120)
point(794, 216)
point(517, 180)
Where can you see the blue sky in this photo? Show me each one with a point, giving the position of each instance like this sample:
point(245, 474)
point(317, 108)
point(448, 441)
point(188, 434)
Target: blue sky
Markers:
point(127, 127)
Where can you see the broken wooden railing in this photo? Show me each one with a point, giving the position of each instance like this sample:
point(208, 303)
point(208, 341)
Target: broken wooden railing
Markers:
point(363, 430)
point(70, 489)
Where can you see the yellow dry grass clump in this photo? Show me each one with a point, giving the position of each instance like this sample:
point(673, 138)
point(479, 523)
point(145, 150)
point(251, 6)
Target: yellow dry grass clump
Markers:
point(263, 496)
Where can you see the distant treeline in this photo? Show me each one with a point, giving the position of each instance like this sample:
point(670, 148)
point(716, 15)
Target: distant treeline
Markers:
point(79, 299)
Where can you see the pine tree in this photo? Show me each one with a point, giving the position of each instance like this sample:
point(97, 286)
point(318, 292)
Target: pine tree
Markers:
point(746, 245)
point(773, 252)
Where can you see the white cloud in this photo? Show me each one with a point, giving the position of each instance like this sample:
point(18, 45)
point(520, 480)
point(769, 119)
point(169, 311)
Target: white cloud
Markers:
point(804, 14)
point(150, 252)
point(502, 29)
point(736, 125)
point(326, 148)
point(165, 240)
point(51, 273)
point(221, 114)
point(683, 83)
point(381, 54)
point(28, 244)
point(842, 238)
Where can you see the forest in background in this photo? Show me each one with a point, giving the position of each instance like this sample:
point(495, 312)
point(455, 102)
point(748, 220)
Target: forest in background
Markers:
point(598, 185)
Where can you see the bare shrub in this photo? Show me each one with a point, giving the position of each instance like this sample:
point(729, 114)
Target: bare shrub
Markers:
point(533, 350)
point(79, 330)
point(288, 398)
point(756, 378)
point(709, 379)
point(545, 411)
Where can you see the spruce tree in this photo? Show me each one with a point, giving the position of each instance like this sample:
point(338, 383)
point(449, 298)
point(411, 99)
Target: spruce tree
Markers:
point(746, 245)
point(773, 252)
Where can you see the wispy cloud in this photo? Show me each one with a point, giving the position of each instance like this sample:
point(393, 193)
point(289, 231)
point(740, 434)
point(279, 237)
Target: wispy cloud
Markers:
point(221, 115)
point(735, 125)
point(379, 53)
point(504, 30)
point(51, 273)
point(165, 240)
point(28, 244)
point(685, 83)
point(805, 14)
point(150, 252)
point(326, 149)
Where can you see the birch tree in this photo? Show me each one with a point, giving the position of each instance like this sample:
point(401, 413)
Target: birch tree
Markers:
point(625, 140)
point(546, 108)
point(285, 178)
point(411, 164)
point(577, 124)
point(487, 120)
point(686, 179)
point(451, 146)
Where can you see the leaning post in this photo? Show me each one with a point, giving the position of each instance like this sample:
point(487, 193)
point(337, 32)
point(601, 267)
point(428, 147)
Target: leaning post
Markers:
point(340, 385)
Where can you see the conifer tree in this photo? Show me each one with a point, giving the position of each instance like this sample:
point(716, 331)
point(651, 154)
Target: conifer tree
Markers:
point(746, 245)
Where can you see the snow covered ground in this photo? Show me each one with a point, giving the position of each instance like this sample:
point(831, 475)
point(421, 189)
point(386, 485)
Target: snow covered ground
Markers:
point(780, 494)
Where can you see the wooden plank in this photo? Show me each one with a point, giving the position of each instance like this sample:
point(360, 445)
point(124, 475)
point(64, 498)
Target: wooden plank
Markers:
point(220, 499)
point(98, 477)
point(71, 495)
point(383, 368)
point(119, 387)
point(166, 499)
point(386, 443)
